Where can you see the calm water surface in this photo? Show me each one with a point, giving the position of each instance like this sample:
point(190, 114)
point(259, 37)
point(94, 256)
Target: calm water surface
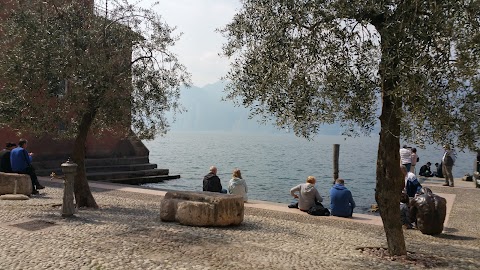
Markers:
point(272, 164)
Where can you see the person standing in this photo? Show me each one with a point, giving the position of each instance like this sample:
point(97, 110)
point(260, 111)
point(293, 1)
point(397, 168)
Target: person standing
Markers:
point(448, 160)
point(307, 194)
point(341, 200)
point(406, 157)
point(237, 185)
point(21, 162)
point(211, 182)
point(5, 165)
point(415, 159)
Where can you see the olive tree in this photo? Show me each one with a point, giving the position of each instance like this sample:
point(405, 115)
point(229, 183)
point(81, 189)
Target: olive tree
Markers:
point(69, 71)
point(311, 62)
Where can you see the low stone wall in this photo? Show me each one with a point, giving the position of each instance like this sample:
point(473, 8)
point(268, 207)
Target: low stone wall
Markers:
point(202, 208)
point(7, 183)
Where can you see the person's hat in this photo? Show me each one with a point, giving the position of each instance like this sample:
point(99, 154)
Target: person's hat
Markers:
point(10, 144)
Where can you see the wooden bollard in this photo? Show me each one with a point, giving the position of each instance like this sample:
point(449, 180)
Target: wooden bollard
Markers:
point(336, 154)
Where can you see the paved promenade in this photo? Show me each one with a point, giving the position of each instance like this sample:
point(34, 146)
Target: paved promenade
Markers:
point(126, 233)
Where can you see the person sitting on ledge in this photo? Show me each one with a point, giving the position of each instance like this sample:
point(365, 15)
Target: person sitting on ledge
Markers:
point(405, 211)
point(211, 182)
point(237, 185)
point(5, 165)
point(307, 194)
point(425, 170)
point(341, 200)
point(412, 186)
point(21, 162)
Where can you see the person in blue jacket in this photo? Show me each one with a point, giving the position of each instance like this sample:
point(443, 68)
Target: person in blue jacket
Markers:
point(341, 200)
point(21, 162)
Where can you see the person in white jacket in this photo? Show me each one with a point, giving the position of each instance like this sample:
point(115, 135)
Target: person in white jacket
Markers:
point(237, 185)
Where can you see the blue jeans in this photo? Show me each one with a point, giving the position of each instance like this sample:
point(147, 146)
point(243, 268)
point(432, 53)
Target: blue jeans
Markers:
point(408, 166)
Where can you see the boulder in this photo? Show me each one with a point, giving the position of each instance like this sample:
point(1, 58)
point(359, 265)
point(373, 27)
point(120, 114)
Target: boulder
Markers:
point(7, 183)
point(202, 208)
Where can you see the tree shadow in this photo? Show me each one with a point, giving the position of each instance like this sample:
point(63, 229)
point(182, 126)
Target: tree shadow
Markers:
point(455, 237)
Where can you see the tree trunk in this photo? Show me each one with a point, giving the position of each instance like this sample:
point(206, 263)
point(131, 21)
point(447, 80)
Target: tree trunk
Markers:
point(389, 177)
point(83, 195)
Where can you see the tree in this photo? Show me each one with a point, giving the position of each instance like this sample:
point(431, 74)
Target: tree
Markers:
point(70, 71)
point(310, 62)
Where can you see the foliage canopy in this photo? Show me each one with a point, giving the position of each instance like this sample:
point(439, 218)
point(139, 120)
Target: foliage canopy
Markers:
point(61, 62)
point(313, 61)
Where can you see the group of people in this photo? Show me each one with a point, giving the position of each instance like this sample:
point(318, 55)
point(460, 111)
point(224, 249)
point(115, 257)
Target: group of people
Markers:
point(341, 199)
point(16, 159)
point(409, 158)
point(236, 185)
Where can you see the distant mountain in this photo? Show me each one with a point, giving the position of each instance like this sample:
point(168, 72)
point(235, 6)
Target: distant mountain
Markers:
point(207, 112)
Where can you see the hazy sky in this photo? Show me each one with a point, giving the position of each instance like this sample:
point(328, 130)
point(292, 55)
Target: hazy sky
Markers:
point(199, 46)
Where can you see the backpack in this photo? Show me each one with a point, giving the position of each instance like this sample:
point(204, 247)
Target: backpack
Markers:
point(318, 210)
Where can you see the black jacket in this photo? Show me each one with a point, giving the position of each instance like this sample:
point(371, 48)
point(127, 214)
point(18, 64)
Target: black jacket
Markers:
point(211, 182)
point(5, 165)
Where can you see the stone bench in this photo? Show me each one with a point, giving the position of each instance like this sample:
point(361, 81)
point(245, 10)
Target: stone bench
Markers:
point(7, 183)
point(202, 208)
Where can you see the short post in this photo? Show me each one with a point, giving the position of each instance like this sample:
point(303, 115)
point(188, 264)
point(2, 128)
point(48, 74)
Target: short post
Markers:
point(69, 170)
point(336, 154)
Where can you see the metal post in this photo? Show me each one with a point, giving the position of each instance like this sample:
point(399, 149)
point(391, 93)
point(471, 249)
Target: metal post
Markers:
point(69, 170)
point(336, 154)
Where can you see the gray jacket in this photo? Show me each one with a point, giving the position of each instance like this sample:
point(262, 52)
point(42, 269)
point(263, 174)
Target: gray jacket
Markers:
point(307, 195)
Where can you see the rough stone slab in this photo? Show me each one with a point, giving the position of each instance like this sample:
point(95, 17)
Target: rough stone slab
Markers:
point(7, 183)
point(14, 197)
point(202, 208)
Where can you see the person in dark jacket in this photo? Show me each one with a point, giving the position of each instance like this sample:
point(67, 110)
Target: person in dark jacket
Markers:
point(341, 200)
point(425, 170)
point(21, 162)
point(211, 182)
point(5, 165)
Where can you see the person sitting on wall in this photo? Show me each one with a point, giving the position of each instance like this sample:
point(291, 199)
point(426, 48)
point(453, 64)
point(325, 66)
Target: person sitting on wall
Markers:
point(237, 185)
point(429, 211)
point(341, 200)
point(211, 182)
point(307, 194)
point(412, 186)
point(21, 162)
point(5, 165)
point(405, 211)
point(425, 170)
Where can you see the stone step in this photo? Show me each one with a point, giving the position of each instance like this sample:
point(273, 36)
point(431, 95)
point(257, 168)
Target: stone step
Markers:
point(141, 180)
point(93, 162)
point(100, 176)
point(113, 168)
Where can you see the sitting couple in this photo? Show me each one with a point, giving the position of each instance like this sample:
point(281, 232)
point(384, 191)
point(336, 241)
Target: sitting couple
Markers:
point(237, 185)
point(341, 200)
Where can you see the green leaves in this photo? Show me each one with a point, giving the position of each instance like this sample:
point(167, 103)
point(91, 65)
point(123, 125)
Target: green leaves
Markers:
point(312, 62)
point(117, 65)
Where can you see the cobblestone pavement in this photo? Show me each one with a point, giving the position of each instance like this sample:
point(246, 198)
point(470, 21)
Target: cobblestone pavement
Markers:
point(126, 233)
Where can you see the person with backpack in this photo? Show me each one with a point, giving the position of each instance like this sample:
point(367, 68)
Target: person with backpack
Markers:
point(412, 186)
point(448, 160)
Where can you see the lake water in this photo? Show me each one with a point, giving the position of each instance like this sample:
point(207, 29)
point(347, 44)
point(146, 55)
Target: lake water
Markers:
point(273, 163)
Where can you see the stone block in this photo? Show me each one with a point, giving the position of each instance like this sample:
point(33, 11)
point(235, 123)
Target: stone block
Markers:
point(202, 208)
point(7, 183)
